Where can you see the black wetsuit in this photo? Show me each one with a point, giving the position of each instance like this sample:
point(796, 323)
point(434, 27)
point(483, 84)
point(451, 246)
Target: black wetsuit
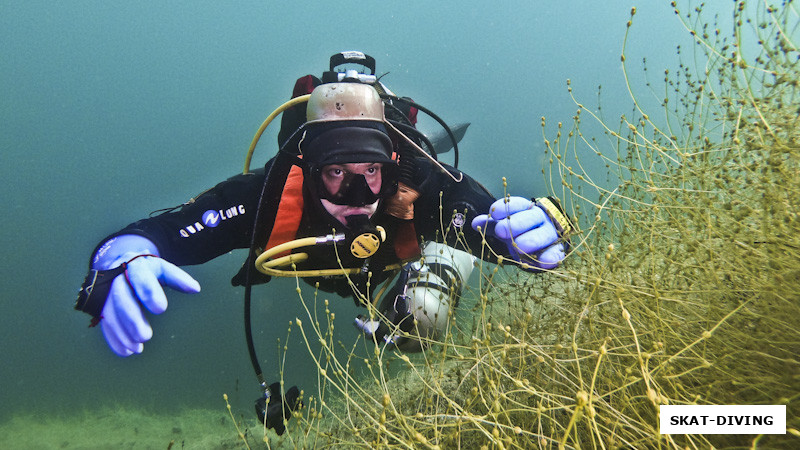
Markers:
point(221, 219)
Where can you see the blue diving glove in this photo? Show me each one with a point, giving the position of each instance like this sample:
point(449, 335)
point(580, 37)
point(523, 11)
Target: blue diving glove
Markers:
point(126, 271)
point(534, 232)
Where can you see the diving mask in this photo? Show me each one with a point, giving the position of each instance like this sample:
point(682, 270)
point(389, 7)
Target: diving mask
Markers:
point(355, 184)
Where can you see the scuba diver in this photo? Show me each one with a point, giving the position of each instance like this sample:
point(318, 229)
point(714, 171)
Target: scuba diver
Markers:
point(354, 199)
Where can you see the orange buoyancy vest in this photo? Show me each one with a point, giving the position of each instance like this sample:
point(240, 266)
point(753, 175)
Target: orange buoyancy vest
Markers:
point(290, 213)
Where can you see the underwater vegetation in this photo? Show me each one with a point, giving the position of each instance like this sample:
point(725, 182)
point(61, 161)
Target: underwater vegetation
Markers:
point(683, 286)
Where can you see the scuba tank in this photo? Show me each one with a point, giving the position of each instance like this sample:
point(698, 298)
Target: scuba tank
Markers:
point(419, 304)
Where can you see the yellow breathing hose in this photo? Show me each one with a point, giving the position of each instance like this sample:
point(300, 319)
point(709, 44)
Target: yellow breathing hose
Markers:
point(267, 121)
point(314, 273)
point(286, 246)
point(269, 266)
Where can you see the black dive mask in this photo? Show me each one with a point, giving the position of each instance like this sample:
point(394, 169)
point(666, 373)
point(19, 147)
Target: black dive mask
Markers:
point(354, 189)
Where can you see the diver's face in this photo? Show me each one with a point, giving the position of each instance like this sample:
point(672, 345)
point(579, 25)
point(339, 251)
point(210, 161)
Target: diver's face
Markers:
point(336, 179)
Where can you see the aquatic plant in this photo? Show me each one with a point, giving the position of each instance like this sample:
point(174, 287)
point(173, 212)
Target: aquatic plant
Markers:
point(683, 286)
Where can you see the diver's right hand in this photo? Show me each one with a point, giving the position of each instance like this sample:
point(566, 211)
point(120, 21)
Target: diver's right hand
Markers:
point(122, 320)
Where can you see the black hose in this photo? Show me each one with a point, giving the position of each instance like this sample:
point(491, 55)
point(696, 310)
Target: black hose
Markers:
point(248, 286)
point(277, 165)
point(408, 129)
point(433, 116)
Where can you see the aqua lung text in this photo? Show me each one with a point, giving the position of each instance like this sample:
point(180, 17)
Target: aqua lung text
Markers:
point(212, 218)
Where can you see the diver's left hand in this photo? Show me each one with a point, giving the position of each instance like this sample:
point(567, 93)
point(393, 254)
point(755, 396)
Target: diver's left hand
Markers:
point(528, 231)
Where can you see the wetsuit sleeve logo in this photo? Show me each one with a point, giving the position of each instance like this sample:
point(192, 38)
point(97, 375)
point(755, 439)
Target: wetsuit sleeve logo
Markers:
point(211, 219)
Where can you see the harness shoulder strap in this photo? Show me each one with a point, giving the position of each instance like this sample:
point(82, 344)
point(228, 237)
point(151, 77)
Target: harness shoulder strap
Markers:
point(290, 210)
